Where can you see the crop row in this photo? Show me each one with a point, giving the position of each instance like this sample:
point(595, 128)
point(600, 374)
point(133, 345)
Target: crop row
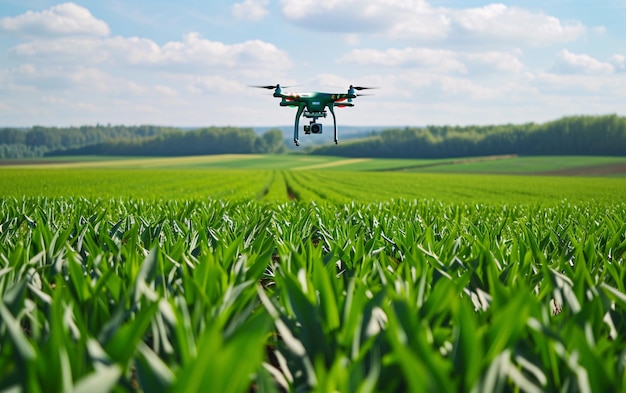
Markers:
point(341, 186)
point(344, 187)
point(125, 295)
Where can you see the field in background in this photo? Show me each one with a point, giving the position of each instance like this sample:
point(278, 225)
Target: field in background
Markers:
point(550, 165)
point(306, 178)
point(540, 165)
point(312, 185)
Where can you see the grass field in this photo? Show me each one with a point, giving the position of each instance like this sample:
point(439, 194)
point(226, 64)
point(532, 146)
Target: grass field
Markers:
point(297, 273)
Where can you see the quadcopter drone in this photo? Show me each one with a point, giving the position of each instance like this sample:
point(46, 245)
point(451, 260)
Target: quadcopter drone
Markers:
point(313, 106)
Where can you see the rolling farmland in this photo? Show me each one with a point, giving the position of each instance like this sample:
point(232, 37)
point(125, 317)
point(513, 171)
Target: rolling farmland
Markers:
point(310, 274)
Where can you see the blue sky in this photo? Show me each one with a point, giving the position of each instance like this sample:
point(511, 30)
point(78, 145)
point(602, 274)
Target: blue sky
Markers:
point(190, 62)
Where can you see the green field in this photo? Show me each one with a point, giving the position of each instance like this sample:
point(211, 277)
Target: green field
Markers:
point(329, 186)
point(542, 165)
point(305, 178)
point(491, 164)
point(299, 273)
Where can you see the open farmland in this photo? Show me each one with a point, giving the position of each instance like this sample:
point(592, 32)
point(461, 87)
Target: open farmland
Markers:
point(137, 275)
point(504, 164)
point(320, 179)
point(539, 165)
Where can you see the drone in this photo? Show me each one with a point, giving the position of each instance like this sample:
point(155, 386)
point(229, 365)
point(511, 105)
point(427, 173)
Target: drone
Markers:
point(313, 106)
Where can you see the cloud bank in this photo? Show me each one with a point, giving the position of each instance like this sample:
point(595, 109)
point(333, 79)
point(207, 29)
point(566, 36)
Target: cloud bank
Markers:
point(417, 20)
point(485, 64)
point(61, 20)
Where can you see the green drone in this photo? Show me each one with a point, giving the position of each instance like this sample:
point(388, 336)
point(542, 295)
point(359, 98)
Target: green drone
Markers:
point(313, 106)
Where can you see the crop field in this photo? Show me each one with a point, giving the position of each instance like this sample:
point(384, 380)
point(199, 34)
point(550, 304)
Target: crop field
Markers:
point(308, 274)
point(321, 179)
point(541, 165)
point(506, 164)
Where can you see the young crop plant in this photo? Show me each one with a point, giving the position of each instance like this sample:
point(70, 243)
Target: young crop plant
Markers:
point(126, 295)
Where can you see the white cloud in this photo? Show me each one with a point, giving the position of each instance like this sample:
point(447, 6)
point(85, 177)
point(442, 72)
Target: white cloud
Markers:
point(434, 59)
point(582, 86)
point(395, 17)
point(417, 20)
point(332, 82)
point(568, 62)
point(192, 52)
point(619, 61)
point(250, 9)
point(215, 84)
point(62, 50)
point(497, 60)
point(196, 50)
point(499, 22)
point(435, 87)
point(60, 20)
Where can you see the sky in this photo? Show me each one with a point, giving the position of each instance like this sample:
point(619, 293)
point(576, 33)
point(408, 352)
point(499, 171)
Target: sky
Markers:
point(190, 63)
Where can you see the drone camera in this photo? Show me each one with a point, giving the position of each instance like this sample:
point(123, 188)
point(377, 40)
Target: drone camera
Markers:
point(307, 130)
point(316, 128)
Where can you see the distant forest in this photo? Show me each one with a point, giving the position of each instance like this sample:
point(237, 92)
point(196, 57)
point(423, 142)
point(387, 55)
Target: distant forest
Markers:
point(135, 141)
point(576, 135)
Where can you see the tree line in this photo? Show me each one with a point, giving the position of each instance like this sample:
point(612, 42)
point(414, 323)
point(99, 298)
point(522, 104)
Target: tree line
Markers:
point(38, 140)
point(575, 135)
point(136, 140)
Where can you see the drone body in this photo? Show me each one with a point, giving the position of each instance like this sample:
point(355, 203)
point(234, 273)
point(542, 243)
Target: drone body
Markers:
point(313, 106)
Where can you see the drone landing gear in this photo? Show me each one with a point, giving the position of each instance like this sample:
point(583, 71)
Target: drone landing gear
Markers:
point(297, 124)
point(313, 127)
point(332, 112)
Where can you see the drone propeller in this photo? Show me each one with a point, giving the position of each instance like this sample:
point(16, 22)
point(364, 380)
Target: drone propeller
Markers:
point(266, 86)
point(362, 87)
point(271, 87)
